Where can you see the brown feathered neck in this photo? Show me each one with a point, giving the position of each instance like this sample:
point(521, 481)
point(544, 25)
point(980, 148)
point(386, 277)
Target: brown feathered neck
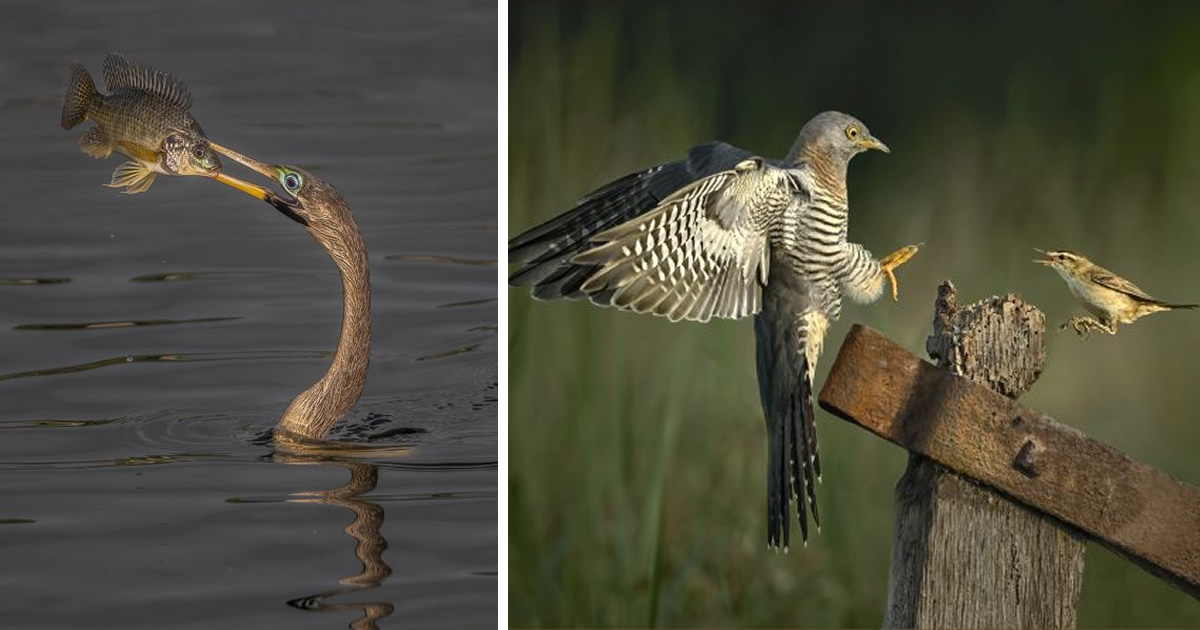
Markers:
point(317, 409)
point(828, 169)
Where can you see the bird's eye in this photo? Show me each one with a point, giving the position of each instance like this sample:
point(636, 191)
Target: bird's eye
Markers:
point(852, 132)
point(292, 181)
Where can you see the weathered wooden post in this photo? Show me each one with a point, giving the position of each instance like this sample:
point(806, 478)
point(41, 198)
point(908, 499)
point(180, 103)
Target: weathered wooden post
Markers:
point(977, 540)
point(958, 542)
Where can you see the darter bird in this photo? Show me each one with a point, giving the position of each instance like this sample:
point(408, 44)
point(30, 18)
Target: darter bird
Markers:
point(729, 234)
point(316, 205)
point(1111, 298)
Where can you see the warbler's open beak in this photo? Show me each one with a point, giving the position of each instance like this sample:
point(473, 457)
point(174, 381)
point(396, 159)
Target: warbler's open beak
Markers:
point(268, 171)
point(1044, 261)
point(874, 143)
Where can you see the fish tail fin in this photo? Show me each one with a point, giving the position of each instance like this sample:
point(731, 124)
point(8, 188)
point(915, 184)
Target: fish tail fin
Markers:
point(81, 91)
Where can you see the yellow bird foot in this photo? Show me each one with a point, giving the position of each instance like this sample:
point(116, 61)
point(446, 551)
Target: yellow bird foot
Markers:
point(895, 259)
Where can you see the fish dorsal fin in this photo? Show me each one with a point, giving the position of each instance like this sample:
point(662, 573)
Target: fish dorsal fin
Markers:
point(120, 72)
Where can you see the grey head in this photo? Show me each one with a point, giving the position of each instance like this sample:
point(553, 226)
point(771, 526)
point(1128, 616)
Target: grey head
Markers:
point(834, 137)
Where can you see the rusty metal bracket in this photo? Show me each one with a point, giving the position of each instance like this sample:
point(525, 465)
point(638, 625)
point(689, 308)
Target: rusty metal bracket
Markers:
point(1137, 511)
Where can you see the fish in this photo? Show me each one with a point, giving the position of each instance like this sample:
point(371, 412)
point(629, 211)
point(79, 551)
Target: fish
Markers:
point(145, 117)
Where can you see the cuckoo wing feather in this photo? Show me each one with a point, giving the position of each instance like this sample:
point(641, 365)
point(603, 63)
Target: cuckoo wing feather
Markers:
point(545, 251)
point(701, 253)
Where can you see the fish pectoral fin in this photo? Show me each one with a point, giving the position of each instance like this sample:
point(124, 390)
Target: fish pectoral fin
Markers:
point(139, 152)
point(94, 143)
point(134, 176)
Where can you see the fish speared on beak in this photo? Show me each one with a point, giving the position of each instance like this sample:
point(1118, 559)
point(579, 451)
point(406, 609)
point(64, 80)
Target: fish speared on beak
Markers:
point(258, 192)
point(268, 171)
point(286, 204)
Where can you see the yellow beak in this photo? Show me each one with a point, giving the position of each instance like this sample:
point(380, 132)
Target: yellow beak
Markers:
point(874, 143)
point(268, 171)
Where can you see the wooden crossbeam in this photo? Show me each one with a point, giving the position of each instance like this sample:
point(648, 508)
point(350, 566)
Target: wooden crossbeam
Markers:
point(1139, 512)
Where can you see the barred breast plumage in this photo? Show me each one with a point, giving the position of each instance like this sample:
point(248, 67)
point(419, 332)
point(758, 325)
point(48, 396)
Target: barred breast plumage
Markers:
point(728, 234)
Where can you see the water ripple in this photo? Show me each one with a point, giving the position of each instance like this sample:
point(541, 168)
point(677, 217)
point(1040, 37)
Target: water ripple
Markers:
point(121, 324)
point(429, 432)
point(31, 281)
point(170, 358)
point(189, 276)
point(449, 353)
point(468, 303)
point(445, 260)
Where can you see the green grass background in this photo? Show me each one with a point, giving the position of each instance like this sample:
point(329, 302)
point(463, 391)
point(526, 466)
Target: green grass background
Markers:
point(637, 446)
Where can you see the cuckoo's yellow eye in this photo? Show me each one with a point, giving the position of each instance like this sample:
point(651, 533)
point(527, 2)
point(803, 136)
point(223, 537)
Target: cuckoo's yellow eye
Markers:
point(852, 132)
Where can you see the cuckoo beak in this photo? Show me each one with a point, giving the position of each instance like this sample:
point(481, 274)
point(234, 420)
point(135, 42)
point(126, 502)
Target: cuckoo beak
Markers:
point(877, 144)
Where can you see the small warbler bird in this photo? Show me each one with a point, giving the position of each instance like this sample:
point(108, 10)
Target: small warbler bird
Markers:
point(1111, 298)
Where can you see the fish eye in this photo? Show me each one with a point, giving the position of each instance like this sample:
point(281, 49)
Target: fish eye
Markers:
point(852, 132)
point(292, 181)
point(198, 152)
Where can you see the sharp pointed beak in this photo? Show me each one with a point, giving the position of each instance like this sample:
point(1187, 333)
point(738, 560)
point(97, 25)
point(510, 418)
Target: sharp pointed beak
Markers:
point(258, 192)
point(1044, 261)
point(268, 171)
point(285, 203)
point(877, 144)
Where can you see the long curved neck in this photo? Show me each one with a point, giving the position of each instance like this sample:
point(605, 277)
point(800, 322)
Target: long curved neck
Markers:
point(318, 408)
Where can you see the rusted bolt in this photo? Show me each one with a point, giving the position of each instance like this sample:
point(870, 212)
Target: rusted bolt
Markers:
point(1026, 459)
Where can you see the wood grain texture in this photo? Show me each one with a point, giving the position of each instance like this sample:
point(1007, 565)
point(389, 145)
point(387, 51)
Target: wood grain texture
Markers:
point(1139, 512)
point(964, 553)
point(984, 561)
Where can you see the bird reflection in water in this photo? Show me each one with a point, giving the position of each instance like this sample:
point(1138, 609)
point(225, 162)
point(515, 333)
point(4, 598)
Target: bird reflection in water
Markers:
point(369, 543)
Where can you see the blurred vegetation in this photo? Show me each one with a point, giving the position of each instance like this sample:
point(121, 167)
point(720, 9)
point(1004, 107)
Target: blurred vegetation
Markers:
point(637, 446)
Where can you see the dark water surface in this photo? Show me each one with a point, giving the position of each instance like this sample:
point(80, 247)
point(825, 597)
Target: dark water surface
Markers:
point(148, 341)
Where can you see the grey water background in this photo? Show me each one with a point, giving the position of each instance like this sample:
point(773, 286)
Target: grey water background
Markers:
point(147, 341)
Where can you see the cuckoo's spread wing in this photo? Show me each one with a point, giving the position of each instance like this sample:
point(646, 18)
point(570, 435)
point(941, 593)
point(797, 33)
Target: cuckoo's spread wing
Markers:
point(702, 253)
point(545, 251)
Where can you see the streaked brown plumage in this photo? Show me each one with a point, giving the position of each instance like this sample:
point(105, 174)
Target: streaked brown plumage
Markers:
point(728, 234)
point(317, 206)
point(1111, 298)
point(144, 117)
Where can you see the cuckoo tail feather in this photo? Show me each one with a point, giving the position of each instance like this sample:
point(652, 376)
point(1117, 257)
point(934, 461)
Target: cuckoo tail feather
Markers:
point(808, 468)
point(799, 457)
point(777, 484)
